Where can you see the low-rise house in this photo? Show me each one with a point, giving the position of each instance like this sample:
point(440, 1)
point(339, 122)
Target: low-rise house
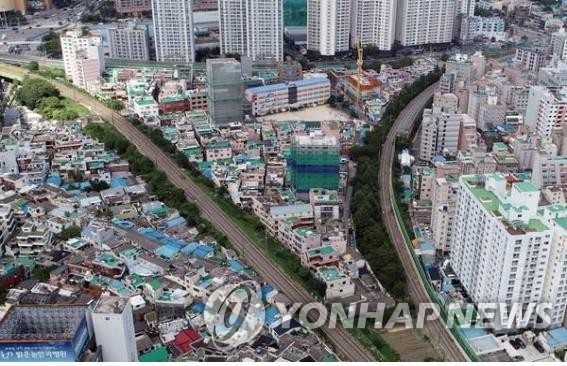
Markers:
point(33, 238)
point(218, 150)
point(298, 237)
point(338, 284)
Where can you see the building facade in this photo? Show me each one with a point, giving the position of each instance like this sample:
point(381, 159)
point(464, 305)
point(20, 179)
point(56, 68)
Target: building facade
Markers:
point(132, 6)
point(224, 77)
point(440, 127)
point(328, 26)
point(129, 42)
point(252, 28)
point(173, 31)
point(285, 96)
point(113, 326)
point(374, 23)
point(314, 162)
point(83, 58)
point(547, 110)
point(500, 245)
point(423, 22)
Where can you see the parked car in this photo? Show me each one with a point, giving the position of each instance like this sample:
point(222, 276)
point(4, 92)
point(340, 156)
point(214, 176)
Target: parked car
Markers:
point(521, 343)
point(539, 347)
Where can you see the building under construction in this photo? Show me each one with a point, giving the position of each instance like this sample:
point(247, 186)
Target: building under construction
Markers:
point(32, 333)
point(314, 162)
point(225, 97)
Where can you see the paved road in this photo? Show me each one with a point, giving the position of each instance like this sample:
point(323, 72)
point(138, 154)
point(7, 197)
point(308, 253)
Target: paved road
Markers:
point(437, 331)
point(344, 344)
point(19, 59)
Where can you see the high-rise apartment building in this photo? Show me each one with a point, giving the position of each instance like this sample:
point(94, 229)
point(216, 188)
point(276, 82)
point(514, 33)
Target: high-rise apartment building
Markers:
point(129, 42)
point(328, 26)
point(374, 23)
point(444, 203)
point(132, 6)
point(422, 22)
point(547, 110)
point(224, 76)
point(83, 58)
point(252, 28)
point(113, 326)
point(440, 127)
point(559, 44)
point(173, 28)
point(500, 242)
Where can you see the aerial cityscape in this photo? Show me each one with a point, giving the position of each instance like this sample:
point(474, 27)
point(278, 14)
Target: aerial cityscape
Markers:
point(283, 180)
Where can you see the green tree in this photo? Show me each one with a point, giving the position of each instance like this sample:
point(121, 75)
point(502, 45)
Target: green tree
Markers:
point(3, 295)
point(114, 104)
point(51, 45)
point(32, 91)
point(41, 273)
point(98, 185)
point(70, 232)
point(32, 66)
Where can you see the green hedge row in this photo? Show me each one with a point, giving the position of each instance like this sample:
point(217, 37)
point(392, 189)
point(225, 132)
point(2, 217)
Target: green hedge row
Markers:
point(371, 234)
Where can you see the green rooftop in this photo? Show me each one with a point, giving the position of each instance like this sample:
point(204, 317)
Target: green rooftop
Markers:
point(326, 250)
point(562, 222)
point(145, 101)
point(156, 355)
point(526, 187)
point(331, 274)
point(305, 232)
point(537, 225)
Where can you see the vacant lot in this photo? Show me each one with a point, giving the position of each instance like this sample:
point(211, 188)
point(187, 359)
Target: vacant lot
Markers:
point(411, 346)
point(319, 113)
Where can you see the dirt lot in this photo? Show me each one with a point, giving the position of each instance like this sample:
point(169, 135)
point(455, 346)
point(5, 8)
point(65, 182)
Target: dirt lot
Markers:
point(410, 345)
point(319, 113)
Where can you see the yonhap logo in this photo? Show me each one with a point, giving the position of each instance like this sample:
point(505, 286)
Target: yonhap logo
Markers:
point(234, 314)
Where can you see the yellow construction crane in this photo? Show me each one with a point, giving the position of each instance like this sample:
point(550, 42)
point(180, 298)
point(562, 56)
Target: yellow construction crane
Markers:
point(359, 70)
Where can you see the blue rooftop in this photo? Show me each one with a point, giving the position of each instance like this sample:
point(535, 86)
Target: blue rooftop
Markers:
point(55, 180)
point(123, 224)
point(158, 236)
point(118, 182)
point(271, 314)
point(284, 86)
point(470, 333)
point(179, 220)
point(167, 252)
point(197, 250)
point(265, 291)
point(235, 265)
point(283, 210)
point(198, 308)
point(557, 336)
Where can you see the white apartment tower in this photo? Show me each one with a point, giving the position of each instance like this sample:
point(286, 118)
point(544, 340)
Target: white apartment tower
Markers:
point(444, 203)
point(83, 58)
point(422, 22)
point(556, 279)
point(440, 127)
point(252, 28)
point(113, 326)
point(374, 23)
point(328, 26)
point(500, 244)
point(173, 28)
point(129, 42)
point(559, 44)
point(547, 110)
